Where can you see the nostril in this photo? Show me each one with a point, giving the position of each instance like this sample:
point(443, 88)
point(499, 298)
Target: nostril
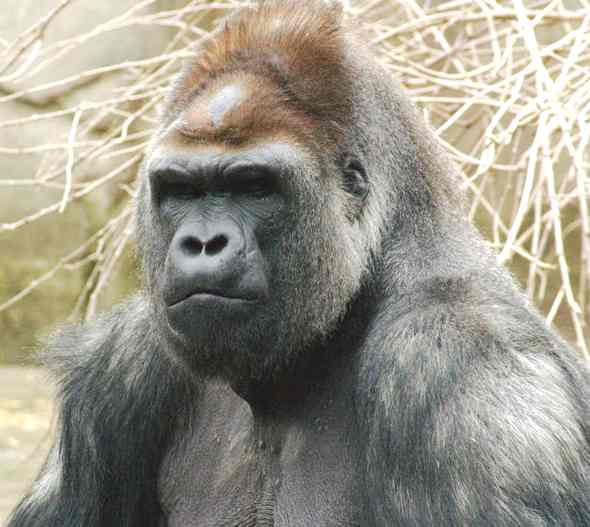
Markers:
point(216, 245)
point(192, 245)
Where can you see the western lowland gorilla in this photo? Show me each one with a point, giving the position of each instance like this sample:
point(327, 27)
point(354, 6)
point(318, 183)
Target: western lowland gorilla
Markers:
point(323, 339)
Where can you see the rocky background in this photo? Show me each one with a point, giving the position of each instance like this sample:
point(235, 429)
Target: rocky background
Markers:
point(27, 420)
point(33, 249)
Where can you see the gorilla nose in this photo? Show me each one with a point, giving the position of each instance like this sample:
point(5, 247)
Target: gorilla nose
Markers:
point(195, 246)
point(203, 260)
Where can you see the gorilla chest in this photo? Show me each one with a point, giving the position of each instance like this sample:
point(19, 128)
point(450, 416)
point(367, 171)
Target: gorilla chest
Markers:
point(230, 474)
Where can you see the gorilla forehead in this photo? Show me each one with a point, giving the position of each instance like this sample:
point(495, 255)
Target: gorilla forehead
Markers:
point(212, 108)
point(178, 153)
point(241, 107)
point(224, 101)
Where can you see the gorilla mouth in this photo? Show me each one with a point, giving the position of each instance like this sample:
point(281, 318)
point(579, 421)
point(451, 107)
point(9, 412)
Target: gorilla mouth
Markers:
point(210, 296)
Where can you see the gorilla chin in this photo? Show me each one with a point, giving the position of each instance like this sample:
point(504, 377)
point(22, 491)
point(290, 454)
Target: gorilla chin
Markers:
point(186, 316)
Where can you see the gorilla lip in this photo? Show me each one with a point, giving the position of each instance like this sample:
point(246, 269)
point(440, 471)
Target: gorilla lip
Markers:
point(210, 296)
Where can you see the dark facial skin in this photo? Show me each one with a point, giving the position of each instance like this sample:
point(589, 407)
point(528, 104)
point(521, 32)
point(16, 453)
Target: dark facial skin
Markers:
point(232, 235)
point(220, 209)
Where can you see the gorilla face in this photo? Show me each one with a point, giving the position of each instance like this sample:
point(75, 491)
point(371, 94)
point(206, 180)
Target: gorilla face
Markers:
point(219, 208)
point(254, 248)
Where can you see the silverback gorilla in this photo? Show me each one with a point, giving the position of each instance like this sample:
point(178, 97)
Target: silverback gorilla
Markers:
point(323, 339)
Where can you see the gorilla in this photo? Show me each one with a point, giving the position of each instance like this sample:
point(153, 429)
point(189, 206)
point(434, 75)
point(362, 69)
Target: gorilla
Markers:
point(322, 338)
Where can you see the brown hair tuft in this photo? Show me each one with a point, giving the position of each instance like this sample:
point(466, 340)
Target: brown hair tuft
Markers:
point(297, 45)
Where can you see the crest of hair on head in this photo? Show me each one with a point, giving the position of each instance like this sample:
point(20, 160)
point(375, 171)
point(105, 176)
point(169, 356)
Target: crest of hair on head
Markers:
point(300, 45)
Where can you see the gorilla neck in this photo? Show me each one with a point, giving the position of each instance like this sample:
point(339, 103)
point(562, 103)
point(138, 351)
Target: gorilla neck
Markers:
point(433, 251)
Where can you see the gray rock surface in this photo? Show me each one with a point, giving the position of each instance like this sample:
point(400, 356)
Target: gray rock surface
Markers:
point(28, 252)
point(26, 416)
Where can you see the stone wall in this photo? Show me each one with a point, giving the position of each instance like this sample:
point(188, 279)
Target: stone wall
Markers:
point(30, 251)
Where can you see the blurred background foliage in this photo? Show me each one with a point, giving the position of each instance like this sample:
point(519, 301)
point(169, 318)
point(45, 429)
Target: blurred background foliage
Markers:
point(504, 84)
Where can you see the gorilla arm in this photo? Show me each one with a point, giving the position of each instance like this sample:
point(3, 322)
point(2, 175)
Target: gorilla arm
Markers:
point(479, 418)
point(116, 392)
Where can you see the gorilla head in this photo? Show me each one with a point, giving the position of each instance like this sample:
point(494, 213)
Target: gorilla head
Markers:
point(258, 213)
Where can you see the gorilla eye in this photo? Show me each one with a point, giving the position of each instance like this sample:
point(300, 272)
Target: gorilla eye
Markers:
point(180, 190)
point(169, 184)
point(355, 179)
point(255, 184)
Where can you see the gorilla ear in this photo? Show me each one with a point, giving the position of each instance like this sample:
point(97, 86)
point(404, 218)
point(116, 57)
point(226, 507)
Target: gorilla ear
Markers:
point(356, 182)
